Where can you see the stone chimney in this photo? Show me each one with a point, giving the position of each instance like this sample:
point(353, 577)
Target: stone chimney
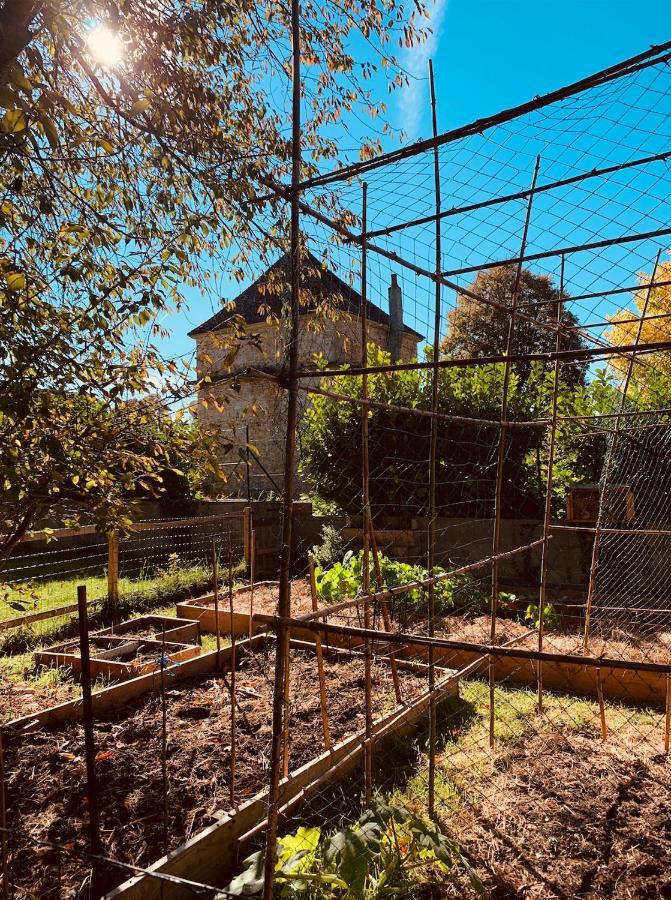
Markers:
point(395, 319)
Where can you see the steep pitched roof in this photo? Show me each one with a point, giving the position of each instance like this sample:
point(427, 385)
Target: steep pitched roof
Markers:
point(321, 285)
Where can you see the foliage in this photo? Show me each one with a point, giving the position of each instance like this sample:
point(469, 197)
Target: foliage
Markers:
point(331, 549)
point(127, 183)
point(344, 579)
point(550, 616)
point(381, 856)
point(475, 329)
point(467, 449)
point(652, 381)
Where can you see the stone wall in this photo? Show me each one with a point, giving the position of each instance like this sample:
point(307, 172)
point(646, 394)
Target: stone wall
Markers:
point(261, 406)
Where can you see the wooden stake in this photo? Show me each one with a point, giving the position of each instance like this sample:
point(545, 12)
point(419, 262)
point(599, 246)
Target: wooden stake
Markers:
point(164, 742)
point(602, 705)
point(286, 736)
point(384, 609)
point(496, 542)
point(89, 739)
point(252, 574)
point(3, 822)
point(320, 660)
point(233, 673)
point(547, 517)
point(667, 724)
point(113, 574)
point(215, 591)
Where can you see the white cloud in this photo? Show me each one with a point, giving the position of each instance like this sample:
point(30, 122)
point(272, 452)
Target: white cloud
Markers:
point(413, 103)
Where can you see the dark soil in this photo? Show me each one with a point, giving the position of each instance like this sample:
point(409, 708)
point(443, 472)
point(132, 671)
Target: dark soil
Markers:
point(46, 772)
point(572, 817)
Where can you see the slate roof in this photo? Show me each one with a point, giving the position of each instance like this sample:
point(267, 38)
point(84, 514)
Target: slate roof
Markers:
point(255, 305)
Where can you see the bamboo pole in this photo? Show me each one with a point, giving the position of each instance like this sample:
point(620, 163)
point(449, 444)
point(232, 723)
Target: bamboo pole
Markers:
point(510, 343)
point(233, 674)
point(667, 718)
point(89, 739)
point(602, 705)
point(215, 591)
point(365, 491)
point(594, 565)
point(3, 822)
point(384, 609)
point(547, 515)
point(252, 577)
point(164, 742)
point(433, 455)
point(284, 605)
point(328, 744)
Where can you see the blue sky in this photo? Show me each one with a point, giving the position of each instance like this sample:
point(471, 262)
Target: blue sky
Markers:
point(489, 55)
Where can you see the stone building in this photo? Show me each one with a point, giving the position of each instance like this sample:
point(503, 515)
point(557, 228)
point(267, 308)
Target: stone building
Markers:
point(330, 325)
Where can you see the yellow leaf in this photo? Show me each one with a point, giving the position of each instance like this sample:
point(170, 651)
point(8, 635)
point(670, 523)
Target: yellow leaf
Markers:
point(107, 146)
point(13, 121)
point(139, 107)
point(16, 281)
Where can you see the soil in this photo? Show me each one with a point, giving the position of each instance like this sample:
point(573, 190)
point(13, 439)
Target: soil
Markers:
point(266, 597)
point(46, 773)
point(572, 817)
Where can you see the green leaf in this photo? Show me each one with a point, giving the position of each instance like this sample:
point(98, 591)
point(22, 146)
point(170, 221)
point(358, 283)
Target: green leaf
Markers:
point(16, 281)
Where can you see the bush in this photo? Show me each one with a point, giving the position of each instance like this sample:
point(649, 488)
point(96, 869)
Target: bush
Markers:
point(331, 548)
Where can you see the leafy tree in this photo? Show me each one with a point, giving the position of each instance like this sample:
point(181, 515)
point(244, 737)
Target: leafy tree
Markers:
point(474, 329)
point(651, 383)
point(136, 140)
point(399, 443)
point(91, 460)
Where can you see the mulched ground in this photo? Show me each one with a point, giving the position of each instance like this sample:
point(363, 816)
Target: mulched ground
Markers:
point(46, 778)
point(572, 817)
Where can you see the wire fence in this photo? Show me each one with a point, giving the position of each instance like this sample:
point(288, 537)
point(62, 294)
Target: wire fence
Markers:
point(406, 717)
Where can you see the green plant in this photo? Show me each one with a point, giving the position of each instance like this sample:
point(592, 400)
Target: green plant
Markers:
point(331, 549)
point(550, 616)
point(344, 579)
point(382, 855)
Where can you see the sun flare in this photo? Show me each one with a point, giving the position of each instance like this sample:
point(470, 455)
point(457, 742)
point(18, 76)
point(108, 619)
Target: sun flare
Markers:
point(105, 46)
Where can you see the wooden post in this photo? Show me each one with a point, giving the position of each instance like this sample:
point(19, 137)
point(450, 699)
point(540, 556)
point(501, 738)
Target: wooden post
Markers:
point(608, 461)
point(3, 822)
point(496, 542)
point(164, 742)
point(433, 454)
point(284, 604)
point(547, 517)
point(215, 591)
point(365, 490)
point(113, 574)
point(667, 723)
point(384, 609)
point(602, 705)
point(252, 576)
point(89, 739)
point(233, 673)
point(320, 659)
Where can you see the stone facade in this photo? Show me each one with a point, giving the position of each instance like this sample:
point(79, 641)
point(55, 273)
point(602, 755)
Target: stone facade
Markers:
point(233, 406)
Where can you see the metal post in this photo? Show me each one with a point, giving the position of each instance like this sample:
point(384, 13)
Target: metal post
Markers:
point(502, 452)
point(284, 604)
point(609, 458)
point(433, 456)
point(89, 744)
point(547, 516)
point(233, 673)
point(320, 660)
point(164, 742)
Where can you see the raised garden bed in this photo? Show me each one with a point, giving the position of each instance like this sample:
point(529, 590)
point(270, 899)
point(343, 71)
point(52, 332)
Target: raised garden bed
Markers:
point(45, 768)
point(156, 628)
point(116, 656)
